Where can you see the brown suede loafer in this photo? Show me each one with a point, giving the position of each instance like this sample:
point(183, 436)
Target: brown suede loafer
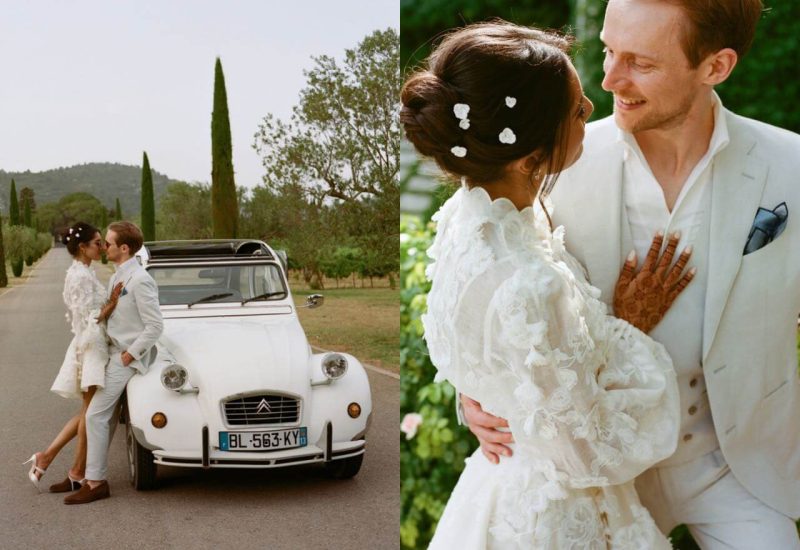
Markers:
point(86, 494)
point(65, 486)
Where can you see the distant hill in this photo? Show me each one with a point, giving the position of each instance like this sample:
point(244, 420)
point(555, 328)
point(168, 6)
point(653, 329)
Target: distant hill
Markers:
point(106, 181)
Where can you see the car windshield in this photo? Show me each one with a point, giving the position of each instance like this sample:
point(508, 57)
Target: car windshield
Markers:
point(195, 284)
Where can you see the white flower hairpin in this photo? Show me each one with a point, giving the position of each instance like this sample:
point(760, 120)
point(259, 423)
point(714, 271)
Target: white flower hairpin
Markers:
point(507, 136)
point(460, 152)
point(461, 111)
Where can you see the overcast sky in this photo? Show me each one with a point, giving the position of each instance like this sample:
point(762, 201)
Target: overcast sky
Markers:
point(102, 81)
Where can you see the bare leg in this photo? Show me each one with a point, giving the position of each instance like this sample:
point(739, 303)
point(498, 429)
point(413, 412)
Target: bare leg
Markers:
point(79, 465)
point(70, 429)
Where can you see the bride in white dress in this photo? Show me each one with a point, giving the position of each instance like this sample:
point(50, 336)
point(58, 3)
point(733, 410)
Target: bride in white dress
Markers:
point(512, 322)
point(84, 365)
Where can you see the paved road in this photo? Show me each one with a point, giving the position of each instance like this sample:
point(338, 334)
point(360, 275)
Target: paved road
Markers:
point(288, 508)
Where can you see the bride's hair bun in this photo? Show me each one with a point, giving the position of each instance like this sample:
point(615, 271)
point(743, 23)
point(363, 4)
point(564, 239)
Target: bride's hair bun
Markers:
point(427, 113)
point(511, 77)
point(80, 233)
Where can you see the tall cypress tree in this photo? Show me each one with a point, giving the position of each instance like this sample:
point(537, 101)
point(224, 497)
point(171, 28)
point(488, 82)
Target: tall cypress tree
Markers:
point(14, 208)
point(27, 220)
point(148, 202)
point(224, 204)
point(118, 211)
point(3, 276)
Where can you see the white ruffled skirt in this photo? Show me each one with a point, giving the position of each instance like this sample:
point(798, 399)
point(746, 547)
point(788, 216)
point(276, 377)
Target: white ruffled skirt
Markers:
point(514, 505)
point(84, 363)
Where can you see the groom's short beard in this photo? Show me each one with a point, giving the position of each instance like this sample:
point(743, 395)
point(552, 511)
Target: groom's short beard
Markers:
point(660, 120)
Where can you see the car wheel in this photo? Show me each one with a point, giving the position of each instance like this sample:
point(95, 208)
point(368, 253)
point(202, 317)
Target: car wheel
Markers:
point(141, 468)
point(344, 468)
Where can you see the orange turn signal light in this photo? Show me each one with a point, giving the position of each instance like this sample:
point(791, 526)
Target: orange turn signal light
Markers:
point(159, 420)
point(354, 410)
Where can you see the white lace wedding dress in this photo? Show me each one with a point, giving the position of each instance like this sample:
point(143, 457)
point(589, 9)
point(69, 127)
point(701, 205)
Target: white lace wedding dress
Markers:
point(85, 361)
point(591, 401)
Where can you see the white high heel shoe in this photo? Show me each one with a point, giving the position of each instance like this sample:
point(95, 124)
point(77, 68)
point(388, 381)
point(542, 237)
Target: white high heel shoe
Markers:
point(35, 469)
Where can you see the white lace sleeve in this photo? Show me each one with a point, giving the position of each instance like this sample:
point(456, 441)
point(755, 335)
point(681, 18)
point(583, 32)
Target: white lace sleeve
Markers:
point(589, 396)
point(82, 300)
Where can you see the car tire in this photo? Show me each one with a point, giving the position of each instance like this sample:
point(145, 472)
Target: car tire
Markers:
point(141, 468)
point(344, 468)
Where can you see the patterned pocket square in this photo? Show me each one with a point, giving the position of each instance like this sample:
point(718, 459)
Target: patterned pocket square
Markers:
point(767, 226)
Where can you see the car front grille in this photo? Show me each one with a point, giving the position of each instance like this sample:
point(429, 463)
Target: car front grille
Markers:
point(262, 409)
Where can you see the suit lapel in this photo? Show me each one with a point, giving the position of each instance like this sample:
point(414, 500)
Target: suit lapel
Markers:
point(738, 183)
point(608, 224)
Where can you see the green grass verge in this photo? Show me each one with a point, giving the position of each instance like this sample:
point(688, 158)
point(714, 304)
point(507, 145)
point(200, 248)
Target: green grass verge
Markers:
point(364, 322)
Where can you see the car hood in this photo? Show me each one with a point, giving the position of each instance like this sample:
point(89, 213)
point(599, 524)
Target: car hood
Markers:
point(231, 356)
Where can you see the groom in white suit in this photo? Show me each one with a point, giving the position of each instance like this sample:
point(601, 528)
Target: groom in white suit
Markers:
point(673, 159)
point(133, 329)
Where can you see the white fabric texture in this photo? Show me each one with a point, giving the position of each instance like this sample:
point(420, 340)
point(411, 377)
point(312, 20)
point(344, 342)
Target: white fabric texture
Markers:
point(592, 402)
point(681, 329)
point(720, 513)
point(85, 361)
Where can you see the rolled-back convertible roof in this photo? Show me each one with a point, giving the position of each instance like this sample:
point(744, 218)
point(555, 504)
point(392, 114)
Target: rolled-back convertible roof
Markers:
point(172, 251)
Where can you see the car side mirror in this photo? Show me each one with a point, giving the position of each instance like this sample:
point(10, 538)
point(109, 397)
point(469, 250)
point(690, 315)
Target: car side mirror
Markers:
point(314, 301)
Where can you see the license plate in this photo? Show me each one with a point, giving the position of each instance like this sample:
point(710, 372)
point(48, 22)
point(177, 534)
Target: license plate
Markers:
point(263, 441)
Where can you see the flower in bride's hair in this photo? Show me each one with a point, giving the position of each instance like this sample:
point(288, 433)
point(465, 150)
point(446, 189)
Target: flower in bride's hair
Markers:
point(461, 110)
point(67, 239)
point(507, 136)
point(410, 423)
point(510, 102)
point(70, 231)
point(460, 152)
point(464, 124)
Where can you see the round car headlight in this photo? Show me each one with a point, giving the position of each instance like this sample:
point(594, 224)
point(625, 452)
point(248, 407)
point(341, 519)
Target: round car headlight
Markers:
point(174, 377)
point(334, 365)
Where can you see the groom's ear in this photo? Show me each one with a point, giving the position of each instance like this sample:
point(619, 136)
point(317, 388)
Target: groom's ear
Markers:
point(717, 67)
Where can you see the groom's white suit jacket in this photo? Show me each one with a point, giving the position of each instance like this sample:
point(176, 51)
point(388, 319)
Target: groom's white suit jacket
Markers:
point(752, 302)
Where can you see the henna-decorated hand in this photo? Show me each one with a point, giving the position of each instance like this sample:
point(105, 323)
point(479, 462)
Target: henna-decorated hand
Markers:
point(643, 298)
point(111, 305)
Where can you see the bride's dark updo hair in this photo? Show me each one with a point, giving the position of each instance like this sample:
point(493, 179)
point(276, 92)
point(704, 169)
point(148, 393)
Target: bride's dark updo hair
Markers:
point(79, 233)
point(480, 65)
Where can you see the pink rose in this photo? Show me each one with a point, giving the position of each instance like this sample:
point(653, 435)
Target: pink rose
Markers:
point(410, 423)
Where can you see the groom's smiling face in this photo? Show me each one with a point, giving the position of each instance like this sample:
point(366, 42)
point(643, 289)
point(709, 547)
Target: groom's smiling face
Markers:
point(653, 83)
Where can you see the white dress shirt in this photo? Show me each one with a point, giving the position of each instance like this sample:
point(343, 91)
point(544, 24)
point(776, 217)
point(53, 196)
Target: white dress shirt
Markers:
point(681, 330)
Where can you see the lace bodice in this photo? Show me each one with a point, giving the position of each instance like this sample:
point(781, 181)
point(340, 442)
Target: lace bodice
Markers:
point(84, 296)
point(513, 323)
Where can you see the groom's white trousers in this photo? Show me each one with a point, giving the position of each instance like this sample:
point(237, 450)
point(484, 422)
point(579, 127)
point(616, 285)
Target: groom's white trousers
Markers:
point(719, 512)
point(100, 414)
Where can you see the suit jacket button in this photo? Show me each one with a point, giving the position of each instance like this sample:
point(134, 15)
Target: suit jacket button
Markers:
point(693, 382)
point(687, 437)
point(692, 410)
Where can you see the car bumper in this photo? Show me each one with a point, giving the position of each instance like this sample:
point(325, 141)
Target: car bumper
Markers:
point(309, 454)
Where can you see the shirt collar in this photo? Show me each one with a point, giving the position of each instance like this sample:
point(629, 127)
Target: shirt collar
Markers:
point(126, 267)
point(719, 137)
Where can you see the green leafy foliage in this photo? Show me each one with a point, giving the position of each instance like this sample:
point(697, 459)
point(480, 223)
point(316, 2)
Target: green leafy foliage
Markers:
point(104, 180)
point(13, 208)
point(148, 221)
point(55, 218)
point(21, 243)
point(224, 204)
point(431, 460)
point(3, 274)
